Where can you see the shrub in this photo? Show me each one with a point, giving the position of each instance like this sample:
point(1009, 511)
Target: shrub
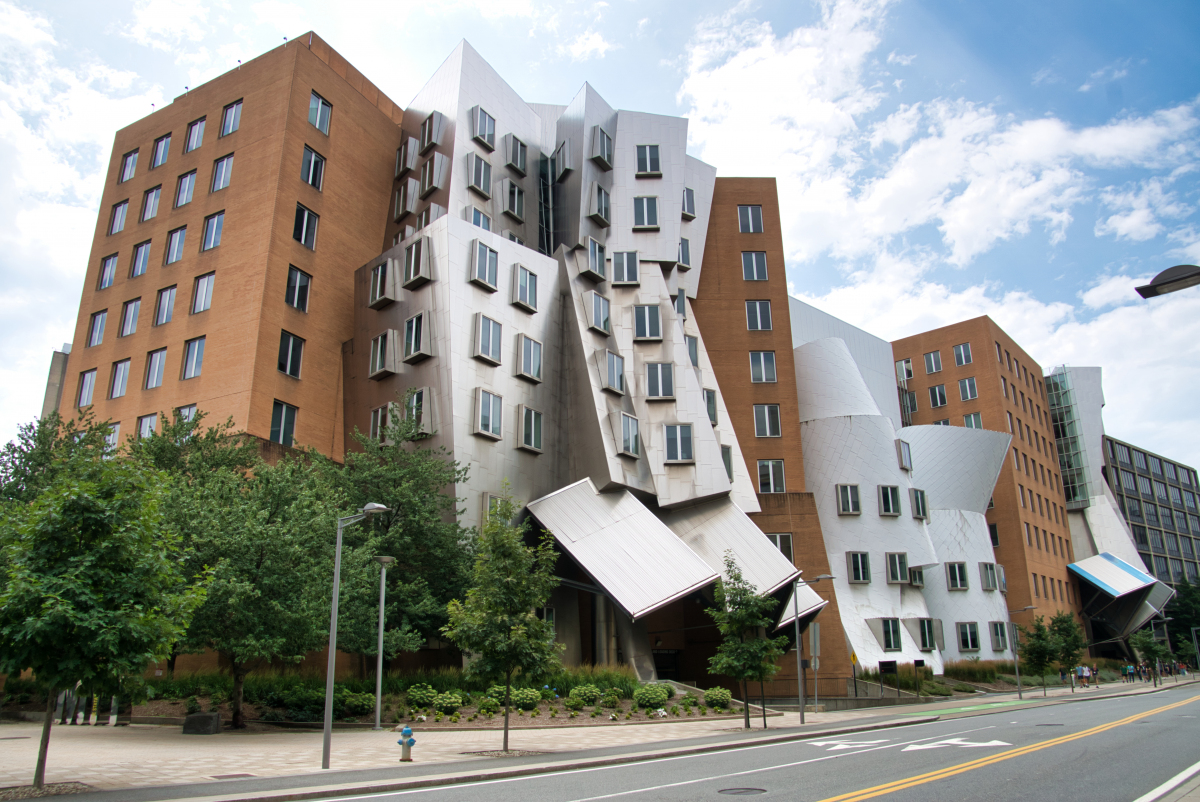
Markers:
point(590, 694)
point(496, 692)
point(573, 703)
point(617, 692)
point(610, 701)
point(971, 670)
point(964, 688)
point(421, 695)
point(717, 697)
point(192, 705)
point(650, 696)
point(525, 698)
point(272, 715)
point(488, 705)
point(447, 703)
point(547, 693)
point(935, 689)
point(215, 701)
point(670, 689)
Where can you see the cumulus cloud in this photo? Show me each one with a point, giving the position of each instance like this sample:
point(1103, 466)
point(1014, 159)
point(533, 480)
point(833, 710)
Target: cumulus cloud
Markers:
point(1140, 209)
point(587, 45)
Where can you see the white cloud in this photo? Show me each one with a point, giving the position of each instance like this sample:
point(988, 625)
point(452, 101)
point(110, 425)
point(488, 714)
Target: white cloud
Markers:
point(1104, 75)
point(1046, 76)
point(1113, 291)
point(165, 24)
point(1140, 209)
point(896, 58)
point(587, 45)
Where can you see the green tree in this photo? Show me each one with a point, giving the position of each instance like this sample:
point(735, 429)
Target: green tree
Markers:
point(1069, 641)
point(43, 450)
point(1185, 649)
point(497, 623)
point(1039, 649)
point(742, 616)
point(92, 585)
point(1184, 609)
point(1149, 648)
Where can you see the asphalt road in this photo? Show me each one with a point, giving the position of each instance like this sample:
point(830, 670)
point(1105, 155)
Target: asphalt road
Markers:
point(1115, 749)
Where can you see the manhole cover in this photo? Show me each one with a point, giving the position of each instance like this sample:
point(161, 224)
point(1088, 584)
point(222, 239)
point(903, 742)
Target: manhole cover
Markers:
point(231, 776)
point(742, 791)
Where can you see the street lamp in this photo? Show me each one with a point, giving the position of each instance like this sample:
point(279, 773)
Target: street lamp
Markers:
point(1016, 642)
point(1195, 648)
point(384, 562)
point(369, 509)
point(796, 612)
point(1173, 279)
point(1154, 631)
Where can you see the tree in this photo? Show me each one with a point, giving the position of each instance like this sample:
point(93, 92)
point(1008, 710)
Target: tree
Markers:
point(497, 623)
point(92, 585)
point(1186, 649)
point(43, 450)
point(1069, 641)
point(1184, 609)
point(1038, 649)
point(1150, 648)
point(742, 615)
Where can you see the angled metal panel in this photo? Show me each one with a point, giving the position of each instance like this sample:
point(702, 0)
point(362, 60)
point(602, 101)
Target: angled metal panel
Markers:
point(1112, 575)
point(809, 603)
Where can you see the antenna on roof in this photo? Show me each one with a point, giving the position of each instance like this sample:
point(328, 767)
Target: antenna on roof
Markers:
point(239, 64)
point(285, 41)
point(185, 89)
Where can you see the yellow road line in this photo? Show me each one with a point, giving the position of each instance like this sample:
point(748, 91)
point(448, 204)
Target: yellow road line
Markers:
point(921, 779)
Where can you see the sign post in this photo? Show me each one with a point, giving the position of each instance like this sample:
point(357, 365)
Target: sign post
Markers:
point(814, 650)
point(853, 673)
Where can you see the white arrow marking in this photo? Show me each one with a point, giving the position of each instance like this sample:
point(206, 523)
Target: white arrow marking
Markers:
point(836, 745)
point(953, 742)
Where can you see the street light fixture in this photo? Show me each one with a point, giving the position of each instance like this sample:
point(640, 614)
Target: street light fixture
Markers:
point(1016, 642)
point(369, 509)
point(384, 562)
point(1173, 279)
point(796, 612)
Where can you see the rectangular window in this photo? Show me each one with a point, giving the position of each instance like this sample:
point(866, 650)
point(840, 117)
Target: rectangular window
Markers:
point(600, 313)
point(908, 400)
point(625, 267)
point(783, 542)
point(847, 500)
point(297, 288)
point(920, 505)
point(530, 351)
point(679, 442)
point(710, 402)
point(660, 380)
point(889, 500)
point(312, 168)
point(629, 435)
point(490, 413)
point(681, 303)
point(479, 174)
point(517, 153)
point(916, 577)
point(933, 362)
point(129, 317)
point(1139, 460)
point(994, 534)
point(212, 231)
point(770, 476)
point(897, 568)
point(319, 112)
point(514, 200)
point(754, 265)
point(973, 421)
point(928, 642)
point(693, 348)
point(87, 387)
point(231, 118)
point(165, 306)
point(162, 149)
point(146, 425)
point(647, 323)
point(647, 160)
point(962, 354)
point(727, 459)
point(1144, 486)
point(117, 221)
point(525, 287)
point(291, 350)
point(113, 438)
point(185, 189)
point(987, 576)
point(904, 454)
point(305, 230)
point(381, 291)
point(891, 634)
point(195, 136)
point(485, 266)
point(141, 259)
point(956, 576)
point(202, 298)
point(645, 212)
point(175, 240)
point(96, 328)
point(478, 218)
point(689, 203)
point(379, 422)
point(283, 423)
point(193, 357)
point(904, 369)
point(766, 420)
point(685, 252)
point(128, 167)
point(858, 567)
point(968, 637)
point(156, 364)
point(750, 219)
point(967, 390)
point(602, 148)
point(416, 264)
point(595, 260)
point(150, 203)
point(762, 366)
point(937, 396)
point(417, 340)
point(531, 428)
point(488, 334)
point(615, 375)
point(758, 315)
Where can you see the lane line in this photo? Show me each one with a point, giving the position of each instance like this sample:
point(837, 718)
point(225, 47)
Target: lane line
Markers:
point(1170, 785)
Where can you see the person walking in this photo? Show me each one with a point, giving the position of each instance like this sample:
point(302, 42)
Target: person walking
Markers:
point(1096, 674)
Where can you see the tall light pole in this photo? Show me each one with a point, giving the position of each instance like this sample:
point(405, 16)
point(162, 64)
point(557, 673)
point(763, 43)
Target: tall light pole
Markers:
point(799, 658)
point(1196, 648)
point(384, 562)
point(370, 509)
point(1017, 642)
point(1173, 279)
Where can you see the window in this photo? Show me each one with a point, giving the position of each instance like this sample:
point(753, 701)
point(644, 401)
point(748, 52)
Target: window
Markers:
point(920, 505)
point(305, 230)
point(891, 634)
point(689, 203)
point(762, 366)
point(933, 362)
point(937, 396)
point(889, 500)
point(382, 359)
point(754, 265)
point(489, 413)
point(156, 363)
point(766, 420)
point(96, 328)
point(602, 148)
point(164, 306)
point(175, 241)
point(681, 303)
point(645, 212)
point(312, 168)
point(129, 317)
point(185, 188)
point(647, 160)
point(908, 401)
point(517, 154)
point(847, 500)
point(685, 252)
point(897, 568)
point(750, 219)
point(283, 423)
point(904, 454)
point(956, 576)
point(87, 387)
point(414, 410)
point(783, 542)
point(916, 577)
point(904, 370)
point(693, 347)
point(525, 289)
point(858, 567)
point(962, 354)
point(297, 288)
point(994, 533)
point(117, 222)
point(973, 421)
point(968, 637)
point(202, 299)
point(999, 630)
point(660, 380)
point(514, 200)
point(478, 218)
point(418, 341)
point(928, 641)
point(147, 425)
point(599, 308)
point(128, 167)
point(615, 376)
point(193, 357)
point(770, 476)
point(212, 231)
point(433, 174)
point(381, 291)
point(150, 203)
point(141, 259)
point(319, 112)
point(758, 315)
point(629, 435)
point(195, 136)
point(727, 459)
point(479, 177)
point(601, 207)
point(162, 149)
point(1139, 459)
point(987, 576)
point(231, 118)
point(531, 428)
point(679, 442)
point(710, 402)
point(595, 260)
point(966, 389)
point(485, 266)
point(487, 339)
point(647, 323)
point(431, 131)
point(1169, 469)
point(113, 438)
point(1144, 486)
point(291, 349)
point(625, 267)
point(379, 422)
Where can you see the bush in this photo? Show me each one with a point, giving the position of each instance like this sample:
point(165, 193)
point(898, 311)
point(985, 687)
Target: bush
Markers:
point(496, 692)
point(717, 697)
point(650, 696)
point(215, 701)
point(573, 703)
point(547, 693)
point(964, 688)
point(192, 705)
point(421, 695)
point(447, 703)
point(971, 670)
point(610, 701)
point(525, 698)
point(934, 688)
point(617, 692)
point(488, 705)
point(590, 694)
point(602, 676)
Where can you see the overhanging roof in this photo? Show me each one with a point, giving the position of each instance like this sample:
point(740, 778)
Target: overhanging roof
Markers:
point(1112, 575)
point(1119, 595)
point(809, 604)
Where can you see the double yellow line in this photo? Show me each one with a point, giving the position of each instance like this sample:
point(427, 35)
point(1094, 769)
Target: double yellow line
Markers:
point(941, 774)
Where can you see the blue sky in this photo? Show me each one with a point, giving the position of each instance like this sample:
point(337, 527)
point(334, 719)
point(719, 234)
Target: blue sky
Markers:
point(937, 159)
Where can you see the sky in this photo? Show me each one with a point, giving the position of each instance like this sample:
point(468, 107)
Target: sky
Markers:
point(936, 160)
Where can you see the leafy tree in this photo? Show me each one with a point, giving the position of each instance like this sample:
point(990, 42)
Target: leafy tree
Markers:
point(1185, 649)
point(1069, 640)
point(43, 450)
point(1039, 649)
point(1184, 609)
point(742, 615)
point(1150, 648)
point(92, 585)
point(497, 623)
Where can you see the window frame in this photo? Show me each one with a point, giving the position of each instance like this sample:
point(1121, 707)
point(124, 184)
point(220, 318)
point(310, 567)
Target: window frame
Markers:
point(156, 368)
point(621, 267)
point(762, 368)
point(301, 287)
point(421, 324)
point(967, 389)
point(524, 280)
point(194, 139)
point(753, 270)
point(649, 157)
point(614, 369)
point(185, 185)
point(214, 224)
point(658, 370)
point(920, 504)
point(236, 109)
point(304, 230)
point(775, 473)
point(483, 128)
point(892, 640)
point(956, 576)
point(629, 435)
point(494, 402)
point(485, 266)
point(599, 312)
point(222, 169)
point(680, 430)
point(193, 358)
point(848, 499)
point(154, 193)
point(283, 423)
point(320, 113)
point(646, 207)
point(479, 175)
point(888, 499)
point(962, 354)
point(165, 302)
point(752, 221)
point(643, 316)
point(858, 567)
point(527, 415)
point(766, 425)
point(202, 292)
point(312, 168)
point(971, 630)
point(758, 316)
point(526, 348)
point(937, 393)
point(689, 203)
point(293, 359)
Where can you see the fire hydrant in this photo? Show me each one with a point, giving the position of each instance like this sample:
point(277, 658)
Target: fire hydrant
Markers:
point(406, 744)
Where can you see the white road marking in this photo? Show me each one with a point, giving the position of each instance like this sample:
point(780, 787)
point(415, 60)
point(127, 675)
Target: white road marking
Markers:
point(1171, 784)
point(960, 742)
point(835, 746)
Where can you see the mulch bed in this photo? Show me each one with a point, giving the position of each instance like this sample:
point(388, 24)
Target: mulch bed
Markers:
point(49, 789)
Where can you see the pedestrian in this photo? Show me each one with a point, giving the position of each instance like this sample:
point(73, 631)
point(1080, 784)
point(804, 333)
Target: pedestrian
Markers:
point(1096, 674)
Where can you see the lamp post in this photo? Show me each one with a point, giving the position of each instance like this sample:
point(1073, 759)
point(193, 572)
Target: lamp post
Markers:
point(384, 562)
point(370, 509)
point(799, 658)
point(1017, 642)
point(1196, 648)
point(1154, 631)
point(1173, 279)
